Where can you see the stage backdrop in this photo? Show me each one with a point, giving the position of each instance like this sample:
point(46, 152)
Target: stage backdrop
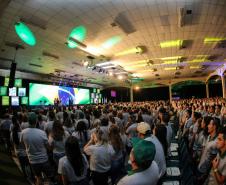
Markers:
point(40, 94)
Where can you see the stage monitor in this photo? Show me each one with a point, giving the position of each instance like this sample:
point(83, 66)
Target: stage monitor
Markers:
point(18, 83)
point(12, 91)
point(24, 100)
point(21, 91)
point(5, 100)
point(40, 94)
point(3, 91)
point(15, 101)
point(113, 93)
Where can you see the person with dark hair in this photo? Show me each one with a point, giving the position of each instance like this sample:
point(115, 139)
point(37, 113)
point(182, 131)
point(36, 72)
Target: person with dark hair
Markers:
point(81, 117)
point(101, 154)
point(24, 123)
point(40, 123)
point(67, 124)
point(73, 167)
point(49, 125)
point(36, 144)
point(201, 138)
point(169, 135)
point(160, 131)
point(57, 139)
point(117, 163)
point(210, 150)
point(188, 123)
point(131, 130)
point(218, 171)
point(19, 148)
point(144, 170)
point(196, 118)
point(81, 133)
point(5, 126)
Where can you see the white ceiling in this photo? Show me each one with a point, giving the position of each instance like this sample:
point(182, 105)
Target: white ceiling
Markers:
point(155, 21)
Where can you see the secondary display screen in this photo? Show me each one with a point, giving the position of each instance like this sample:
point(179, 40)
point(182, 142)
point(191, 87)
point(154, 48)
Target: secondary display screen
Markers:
point(22, 92)
point(5, 100)
point(15, 101)
point(3, 91)
point(18, 83)
point(40, 94)
point(12, 91)
point(24, 100)
point(113, 93)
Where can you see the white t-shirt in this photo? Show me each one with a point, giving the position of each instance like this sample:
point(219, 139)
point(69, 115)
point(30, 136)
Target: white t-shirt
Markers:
point(58, 146)
point(48, 126)
point(149, 176)
point(159, 155)
point(35, 141)
point(65, 168)
point(100, 157)
point(24, 125)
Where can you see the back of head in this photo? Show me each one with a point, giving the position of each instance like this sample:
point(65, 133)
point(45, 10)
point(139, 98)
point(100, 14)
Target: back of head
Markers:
point(104, 121)
point(81, 126)
point(74, 155)
point(32, 118)
point(101, 138)
point(144, 152)
point(51, 116)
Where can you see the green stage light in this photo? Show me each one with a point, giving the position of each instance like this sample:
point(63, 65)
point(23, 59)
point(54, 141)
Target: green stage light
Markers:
point(111, 42)
point(25, 33)
point(78, 33)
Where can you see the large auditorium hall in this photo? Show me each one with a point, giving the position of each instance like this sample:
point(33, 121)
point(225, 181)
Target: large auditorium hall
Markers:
point(112, 92)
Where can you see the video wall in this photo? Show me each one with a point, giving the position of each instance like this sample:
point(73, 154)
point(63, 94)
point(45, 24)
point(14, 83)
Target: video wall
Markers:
point(13, 96)
point(40, 94)
point(96, 96)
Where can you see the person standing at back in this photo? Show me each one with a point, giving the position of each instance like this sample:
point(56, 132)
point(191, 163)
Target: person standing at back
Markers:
point(36, 143)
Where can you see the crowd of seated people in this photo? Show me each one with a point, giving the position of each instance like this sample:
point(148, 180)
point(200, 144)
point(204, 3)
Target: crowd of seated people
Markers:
point(119, 143)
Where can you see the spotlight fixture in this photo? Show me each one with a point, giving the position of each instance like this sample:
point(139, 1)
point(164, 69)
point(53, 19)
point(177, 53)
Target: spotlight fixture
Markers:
point(120, 77)
point(85, 63)
point(25, 34)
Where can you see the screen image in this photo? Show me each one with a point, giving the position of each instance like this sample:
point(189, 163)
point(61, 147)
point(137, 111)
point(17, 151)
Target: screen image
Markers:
point(40, 94)
point(98, 90)
point(12, 91)
point(113, 93)
point(24, 100)
point(18, 83)
point(15, 101)
point(5, 100)
point(94, 90)
point(3, 91)
point(92, 95)
point(6, 82)
point(22, 92)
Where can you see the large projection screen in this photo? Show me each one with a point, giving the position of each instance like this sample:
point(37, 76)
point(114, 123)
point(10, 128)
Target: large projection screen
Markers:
point(40, 94)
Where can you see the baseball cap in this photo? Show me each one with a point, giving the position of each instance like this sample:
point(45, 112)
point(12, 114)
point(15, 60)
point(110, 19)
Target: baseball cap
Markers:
point(143, 127)
point(144, 151)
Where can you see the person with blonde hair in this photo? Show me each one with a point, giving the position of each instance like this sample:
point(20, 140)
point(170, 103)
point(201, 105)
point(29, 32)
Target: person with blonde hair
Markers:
point(101, 154)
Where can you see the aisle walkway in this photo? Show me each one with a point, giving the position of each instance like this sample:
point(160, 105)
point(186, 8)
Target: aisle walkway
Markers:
point(9, 172)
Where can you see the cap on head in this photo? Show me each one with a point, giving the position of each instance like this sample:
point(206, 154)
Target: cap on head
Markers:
point(143, 127)
point(144, 151)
